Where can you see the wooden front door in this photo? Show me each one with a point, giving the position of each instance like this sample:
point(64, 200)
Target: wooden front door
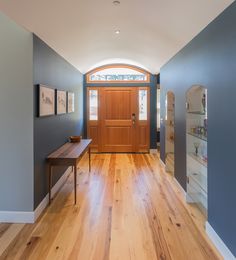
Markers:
point(119, 120)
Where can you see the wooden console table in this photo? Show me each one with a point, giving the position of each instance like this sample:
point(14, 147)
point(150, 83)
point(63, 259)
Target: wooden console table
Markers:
point(68, 155)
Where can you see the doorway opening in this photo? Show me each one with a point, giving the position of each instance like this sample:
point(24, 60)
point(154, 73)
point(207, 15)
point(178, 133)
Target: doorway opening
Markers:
point(119, 118)
point(118, 109)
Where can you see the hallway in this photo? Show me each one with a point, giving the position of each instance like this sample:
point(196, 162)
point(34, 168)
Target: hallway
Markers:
point(128, 208)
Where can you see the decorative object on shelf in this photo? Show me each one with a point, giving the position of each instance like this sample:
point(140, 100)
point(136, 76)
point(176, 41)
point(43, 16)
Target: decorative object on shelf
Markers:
point(70, 102)
point(187, 106)
point(196, 145)
point(61, 102)
point(204, 158)
point(205, 126)
point(200, 131)
point(46, 101)
point(204, 102)
point(75, 139)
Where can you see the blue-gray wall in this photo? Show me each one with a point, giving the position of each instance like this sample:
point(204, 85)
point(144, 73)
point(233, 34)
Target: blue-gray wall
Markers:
point(51, 132)
point(153, 104)
point(209, 60)
point(16, 117)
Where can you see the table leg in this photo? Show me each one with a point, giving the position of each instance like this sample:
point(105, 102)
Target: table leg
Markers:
point(89, 159)
point(75, 183)
point(50, 182)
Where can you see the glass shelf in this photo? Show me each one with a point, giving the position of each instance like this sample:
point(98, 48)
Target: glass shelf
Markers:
point(196, 113)
point(202, 137)
point(198, 159)
point(197, 194)
point(198, 184)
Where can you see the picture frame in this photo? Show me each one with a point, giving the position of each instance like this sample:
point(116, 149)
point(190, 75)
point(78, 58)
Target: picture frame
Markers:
point(61, 102)
point(46, 101)
point(70, 102)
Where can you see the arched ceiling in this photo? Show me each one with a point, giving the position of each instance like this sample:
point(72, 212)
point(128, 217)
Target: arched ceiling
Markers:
point(83, 31)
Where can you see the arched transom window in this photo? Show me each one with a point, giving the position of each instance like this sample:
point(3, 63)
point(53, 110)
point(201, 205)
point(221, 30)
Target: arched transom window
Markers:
point(118, 73)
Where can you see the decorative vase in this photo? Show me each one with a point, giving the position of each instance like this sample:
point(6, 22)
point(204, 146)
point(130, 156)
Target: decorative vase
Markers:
point(204, 102)
point(196, 145)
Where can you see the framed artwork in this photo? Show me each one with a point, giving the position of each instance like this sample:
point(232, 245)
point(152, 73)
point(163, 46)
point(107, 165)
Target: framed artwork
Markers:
point(46, 101)
point(61, 102)
point(71, 102)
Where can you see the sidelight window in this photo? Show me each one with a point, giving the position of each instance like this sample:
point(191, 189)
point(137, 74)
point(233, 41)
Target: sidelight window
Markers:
point(143, 113)
point(93, 104)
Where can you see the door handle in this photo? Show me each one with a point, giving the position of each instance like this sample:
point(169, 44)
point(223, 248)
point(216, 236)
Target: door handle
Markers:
point(133, 118)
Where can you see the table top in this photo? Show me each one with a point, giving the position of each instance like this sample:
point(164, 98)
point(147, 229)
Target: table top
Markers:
point(70, 150)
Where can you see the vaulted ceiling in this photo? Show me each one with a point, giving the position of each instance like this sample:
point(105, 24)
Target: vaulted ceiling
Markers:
point(83, 31)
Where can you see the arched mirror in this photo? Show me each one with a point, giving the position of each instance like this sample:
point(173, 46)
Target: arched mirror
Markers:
point(196, 141)
point(169, 132)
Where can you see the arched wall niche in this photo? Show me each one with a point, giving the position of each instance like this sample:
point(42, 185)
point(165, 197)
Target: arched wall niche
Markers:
point(196, 146)
point(170, 132)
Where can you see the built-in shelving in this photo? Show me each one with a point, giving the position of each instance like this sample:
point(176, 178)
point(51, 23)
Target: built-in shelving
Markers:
point(196, 157)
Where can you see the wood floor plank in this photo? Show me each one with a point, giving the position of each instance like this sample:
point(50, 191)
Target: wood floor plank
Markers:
point(3, 228)
point(128, 208)
point(7, 233)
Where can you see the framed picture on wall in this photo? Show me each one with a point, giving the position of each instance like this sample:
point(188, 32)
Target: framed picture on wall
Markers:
point(61, 102)
point(46, 101)
point(70, 102)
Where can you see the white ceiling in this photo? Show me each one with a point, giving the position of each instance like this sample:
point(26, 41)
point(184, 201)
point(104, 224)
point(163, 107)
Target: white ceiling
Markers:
point(83, 31)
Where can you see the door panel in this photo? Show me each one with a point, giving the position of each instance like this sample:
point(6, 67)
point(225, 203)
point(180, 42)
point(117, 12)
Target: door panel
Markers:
point(118, 104)
point(142, 135)
point(122, 123)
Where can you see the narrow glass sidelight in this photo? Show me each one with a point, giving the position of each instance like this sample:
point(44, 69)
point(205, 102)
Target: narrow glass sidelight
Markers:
point(93, 104)
point(143, 113)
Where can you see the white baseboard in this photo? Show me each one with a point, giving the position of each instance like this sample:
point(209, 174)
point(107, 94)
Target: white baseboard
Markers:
point(220, 245)
point(16, 217)
point(162, 163)
point(178, 184)
point(32, 216)
point(38, 211)
point(189, 199)
point(153, 151)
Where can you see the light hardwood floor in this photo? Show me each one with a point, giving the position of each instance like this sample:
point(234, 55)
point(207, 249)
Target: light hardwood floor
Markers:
point(128, 208)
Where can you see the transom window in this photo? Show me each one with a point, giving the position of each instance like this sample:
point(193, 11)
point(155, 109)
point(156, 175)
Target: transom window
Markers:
point(118, 73)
